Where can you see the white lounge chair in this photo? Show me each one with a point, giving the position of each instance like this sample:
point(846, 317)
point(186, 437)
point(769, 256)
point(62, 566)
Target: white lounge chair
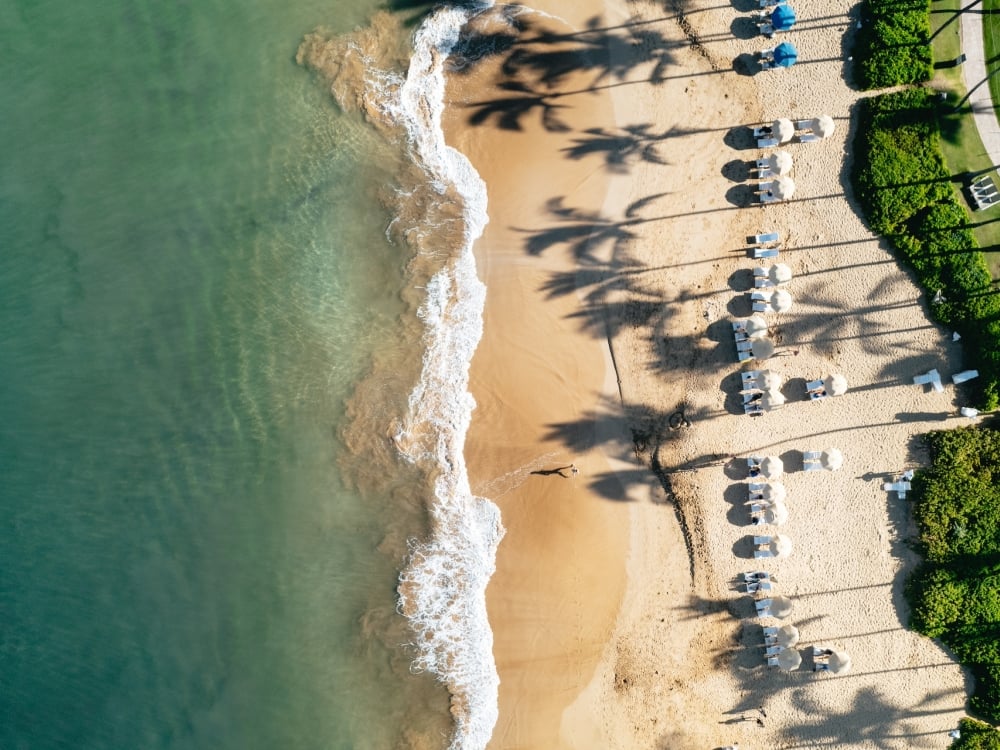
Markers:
point(900, 488)
point(961, 377)
point(750, 378)
point(760, 554)
point(770, 631)
point(755, 490)
point(809, 138)
point(744, 345)
point(762, 307)
point(739, 326)
point(811, 461)
point(762, 131)
point(760, 253)
point(803, 125)
point(761, 540)
point(762, 587)
point(766, 29)
point(757, 575)
point(763, 239)
point(763, 607)
point(766, 142)
point(767, 197)
point(754, 409)
point(931, 377)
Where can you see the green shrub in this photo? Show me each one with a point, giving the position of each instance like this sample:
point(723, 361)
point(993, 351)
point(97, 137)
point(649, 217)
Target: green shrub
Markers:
point(893, 47)
point(976, 736)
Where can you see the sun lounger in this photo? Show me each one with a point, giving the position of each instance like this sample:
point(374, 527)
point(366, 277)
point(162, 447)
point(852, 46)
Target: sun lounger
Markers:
point(961, 377)
point(762, 282)
point(820, 667)
point(759, 253)
point(815, 390)
point(755, 491)
point(766, 142)
point(765, 173)
point(766, 29)
point(762, 586)
point(811, 461)
point(931, 377)
point(749, 379)
point(809, 138)
point(762, 307)
point(762, 131)
point(803, 125)
point(814, 385)
point(772, 661)
point(900, 488)
point(760, 540)
point(754, 409)
point(772, 650)
point(744, 346)
point(739, 326)
point(763, 607)
point(757, 575)
point(759, 554)
point(763, 239)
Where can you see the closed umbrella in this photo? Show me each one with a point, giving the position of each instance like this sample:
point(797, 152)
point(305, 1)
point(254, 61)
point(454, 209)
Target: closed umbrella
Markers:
point(783, 18)
point(831, 459)
point(781, 301)
point(823, 126)
point(783, 188)
point(774, 492)
point(783, 129)
point(789, 659)
point(771, 467)
point(780, 162)
point(788, 635)
point(835, 385)
point(772, 399)
point(776, 514)
point(779, 273)
point(780, 546)
point(839, 662)
point(785, 54)
point(772, 380)
point(756, 327)
point(762, 348)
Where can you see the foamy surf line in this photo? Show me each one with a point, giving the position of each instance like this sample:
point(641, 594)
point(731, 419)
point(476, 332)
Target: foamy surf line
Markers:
point(443, 587)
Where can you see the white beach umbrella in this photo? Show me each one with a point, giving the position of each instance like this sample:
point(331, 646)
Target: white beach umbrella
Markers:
point(780, 546)
point(779, 273)
point(839, 662)
point(831, 459)
point(783, 188)
point(756, 327)
point(823, 126)
point(776, 513)
point(789, 659)
point(771, 467)
point(762, 348)
point(772, 399)
point(835, 385)
point(781, 606)
point(772, 381)
point(774, 492)
point(781, 300)
point(788, 635)
point(783, 129)
point(780, 162)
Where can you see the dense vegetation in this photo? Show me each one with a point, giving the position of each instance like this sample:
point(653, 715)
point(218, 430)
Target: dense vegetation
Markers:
point(955, 594)
point(905, 190)
point(976, 736)
point(893, 46)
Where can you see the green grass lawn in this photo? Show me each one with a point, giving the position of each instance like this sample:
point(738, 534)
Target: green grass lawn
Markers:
point(960, 142)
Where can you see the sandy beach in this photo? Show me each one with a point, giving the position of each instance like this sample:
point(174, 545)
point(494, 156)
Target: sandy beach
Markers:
point(615, 261)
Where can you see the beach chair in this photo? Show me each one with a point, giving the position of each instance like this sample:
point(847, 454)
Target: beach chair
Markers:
point(811, 461)
point(744, 345)
point(762, 131)
point(750, 378)
point(762, 307)
point(766, 142)
point(820, 666)
point(772, 661)
point(817, 395)
point(803, 125)
point(757, 575)
point(740, 336)
point(760, 253)
point(763, 607)
point(761, 540)
point(766, 29)
point(756, 489)
point(765, 173)
point(770, 631)
point(762, 282)
point(739, 326)
point(767, 197)
point(815, 390)
point(754, 409)
point(759, 587)
point(772, 650)
point(899, 488)
point(809, 138)
point(932, 378)
point(760, 554)
point(763, 239)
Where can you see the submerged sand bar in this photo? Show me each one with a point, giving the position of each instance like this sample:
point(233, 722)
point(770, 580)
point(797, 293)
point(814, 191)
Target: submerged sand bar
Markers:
point(615, 261)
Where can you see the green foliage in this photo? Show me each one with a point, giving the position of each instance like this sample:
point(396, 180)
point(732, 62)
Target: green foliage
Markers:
point(955, 595)
point(894, 44)
point(976, 736)
point(905, 190)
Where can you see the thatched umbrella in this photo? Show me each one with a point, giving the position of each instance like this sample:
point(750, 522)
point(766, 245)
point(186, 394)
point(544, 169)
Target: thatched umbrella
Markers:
point(789, 659)
point(756, 327)
point(771, 467)
point(835, 385)
point(788, 635)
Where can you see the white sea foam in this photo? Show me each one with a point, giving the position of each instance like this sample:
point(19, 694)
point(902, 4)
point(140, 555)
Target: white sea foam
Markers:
point(443, 588)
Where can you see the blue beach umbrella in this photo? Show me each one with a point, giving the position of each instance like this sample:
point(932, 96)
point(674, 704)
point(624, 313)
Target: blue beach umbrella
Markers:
point(785, 54)
point(783, 18)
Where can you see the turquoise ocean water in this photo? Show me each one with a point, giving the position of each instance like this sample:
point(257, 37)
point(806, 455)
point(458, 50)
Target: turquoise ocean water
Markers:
point(220, 440)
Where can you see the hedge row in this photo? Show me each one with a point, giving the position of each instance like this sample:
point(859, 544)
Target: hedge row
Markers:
point(893, 46)
point(905, 191)
point(955, 594)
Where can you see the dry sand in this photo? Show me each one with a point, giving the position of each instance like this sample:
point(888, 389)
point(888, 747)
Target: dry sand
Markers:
point(615, 260)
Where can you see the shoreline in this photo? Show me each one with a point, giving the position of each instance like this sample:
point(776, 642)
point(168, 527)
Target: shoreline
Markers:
point(667, 649)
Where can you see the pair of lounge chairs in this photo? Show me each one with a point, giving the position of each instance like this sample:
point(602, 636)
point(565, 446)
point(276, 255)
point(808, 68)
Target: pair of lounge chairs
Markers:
point(900, 488)
point(816, 390)
point(744, 349)
point(984, 193)
point(812, 461)
point(762, 549)
point(761, 279)
point(932, 378)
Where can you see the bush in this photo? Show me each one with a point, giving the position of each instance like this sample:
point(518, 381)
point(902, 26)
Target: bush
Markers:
point(976, 736)
point(893, 47)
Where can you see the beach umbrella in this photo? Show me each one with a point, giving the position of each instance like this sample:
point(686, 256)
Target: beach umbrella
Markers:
point(788, 635)
point(762, 348)
point(783, 129)
point(780, 162)
point(779, 273)
point(835, 385)
point(772, 399)
point(785, 54)
point(781, 301)
point(772, 381)
point(783, 188)
point(839, 662)
point(781, 606)
point(831, 459)
point(780, 546)
point(776, 514)
point(823, 126)
point(789, 659)
point(756, 327)
point(783, 18)
point(771, 467)
point(774, 492)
